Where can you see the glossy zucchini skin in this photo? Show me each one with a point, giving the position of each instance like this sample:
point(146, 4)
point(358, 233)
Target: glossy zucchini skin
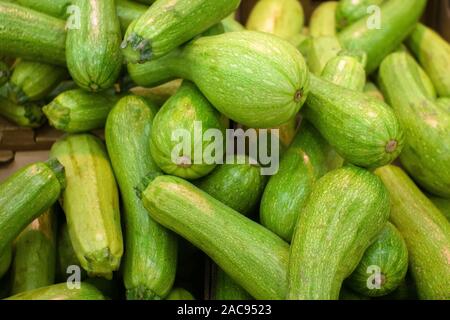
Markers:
point(4, 73)
point(169, 23)
point(398, 19)
point(323, 20)
point(151, 250)
point(239, 186)
point(350, 11)
point(426, 232)
point(198, 217)
point(433, 53)
point(94, 223)
point(239, 62)
point(224, 288)
point(5, 260)
point(286, 192)
point(61, 292)
point(179, 294)
point(26, 115)
point(31, 35)
point(388, 253)
point(345, 71)
point(77, 110)
point(426, 155)
point(31, 81)
point(27, 194)
point(93, 52)
point(363, 130)
point(443, 205)
point(35, 255)
point(345, 211)
point(180, 113)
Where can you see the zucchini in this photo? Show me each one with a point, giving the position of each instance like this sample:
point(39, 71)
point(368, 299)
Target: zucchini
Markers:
point(31, 81)
point(230, 24)
point(169, 23)
point(346, 71)
point(322, 50)
point(93, 48)
point(286, 192)
point(66, 255)
point(383, 266)
point(443, 205)
point(398, 18)
point(239, 185)
point(237, 92)
point(26, 115)
point(345, 211)
point(160, 94)
point(61, 292)
point(426, 233)
point(179, 294)
point(4, 73)
point(5, 260)
point(373, 91)
point(76, 110)
point(178, 131)
point(433, 53)
point(55, 8)
point(426, 156)
point(363, 130)
point(35, 255)
point(323, 20)
point(224, 288)
point(261, 268)
point(27, 194)
point(151, 250)
point(350, 11)
point(128, 11)
point(444, 104)
point(31, 35)
point(94, 223)
point(283, 18)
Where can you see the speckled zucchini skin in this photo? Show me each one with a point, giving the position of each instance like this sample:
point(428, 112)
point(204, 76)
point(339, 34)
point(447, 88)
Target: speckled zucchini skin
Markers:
point(345, 71)
point(323, 20)
point(321, 51)
point(443, 205)
point(61, 292)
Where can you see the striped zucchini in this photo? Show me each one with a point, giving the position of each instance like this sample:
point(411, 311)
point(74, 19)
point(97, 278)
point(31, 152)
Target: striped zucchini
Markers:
point(323, 20)
point(151, 250)
point(5, 260)
point(128, 11)
point(224, 288)
point(26, 115)
point(94, 223)
point(322, 50)
point(346, 71)
point(180, 294)
point(350, 11)
point(93, 47)
point(61, 292)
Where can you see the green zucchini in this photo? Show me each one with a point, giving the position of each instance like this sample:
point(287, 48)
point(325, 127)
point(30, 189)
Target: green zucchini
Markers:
point(322, 50)
point(169, 23)
point(27, 194)
point(26, 115)
point(55, 8)
point(128, 11)
point(397, 19)
point(373, 91)
point(31, 35)
point(224, 288)
point(350, 11)
point(425, 81)
point(230, 24)
point(94, 223)
point(260, 268)
point(178, 133)
point(345, 211)
point(146, 1)
point(4, 73)
point(323, 20)
point(160, 94)
point(151, 250)
point(180, 294)
point(426, 233)
point(443, 205)
point(35, 255)
point(239, 185)
point(346, 71)
point(433, 53)
point(61, 292)
point(239, 87)
point(444, 104)
point(363, 130)
point(67, 256)
point(426, 155)
point(77, 110)
point(93, 47)
point(284, 18)
point(383, 266)
point(5, 260)
point(31, 81)
point(286, 192)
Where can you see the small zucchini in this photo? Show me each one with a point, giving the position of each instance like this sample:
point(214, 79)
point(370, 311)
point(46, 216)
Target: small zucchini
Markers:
point(224, 288)
point(180, 294)
point(5, 260)
point(323, 20)
point(346, 71)
point(26, 115)
point(61, 292)
point(322, 50)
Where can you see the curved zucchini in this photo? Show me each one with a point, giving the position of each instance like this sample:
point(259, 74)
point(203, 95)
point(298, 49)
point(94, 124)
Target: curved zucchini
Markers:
point(151, 250)
point(383, 266)
point(260, 268)
point(241, 92)
point(345, 71)
point(323, 20)
point(443, 205)
point(322, 50)
point(4, 73)
point(426, 155)
point(363, 130)
point(345, 211)
point(224, 288)
point(426, 233)
point(35, 255)
point(350, 11)
point(31, 35)
point(398, 18)
point(94, 223)
point(61, 292)
point(93, 48)
point(169, 23)
point(76, 110)
point(5, 260)
point(433, 53)
point(26, 115)
point(179, 294)
point(373, 91)
point(31, 81)
point(27, 194)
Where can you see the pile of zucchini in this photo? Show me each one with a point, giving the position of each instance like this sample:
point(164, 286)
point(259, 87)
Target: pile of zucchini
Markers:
point(113, 216)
